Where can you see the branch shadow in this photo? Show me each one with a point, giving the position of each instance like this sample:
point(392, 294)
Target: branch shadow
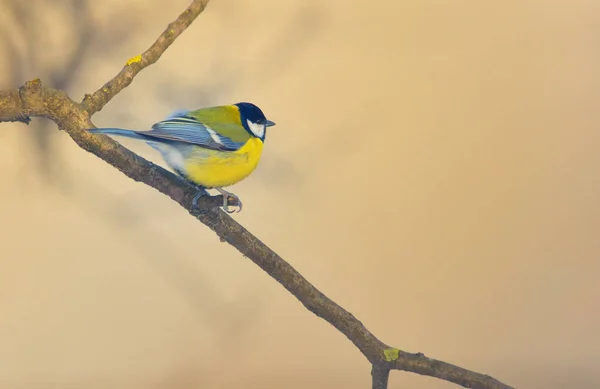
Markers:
point(31, 54)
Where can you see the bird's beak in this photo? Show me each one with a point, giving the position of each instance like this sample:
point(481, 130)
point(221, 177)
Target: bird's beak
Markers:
point(269, 123)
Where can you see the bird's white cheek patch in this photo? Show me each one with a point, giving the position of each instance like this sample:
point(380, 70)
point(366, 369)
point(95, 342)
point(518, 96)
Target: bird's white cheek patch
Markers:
point(257, 129)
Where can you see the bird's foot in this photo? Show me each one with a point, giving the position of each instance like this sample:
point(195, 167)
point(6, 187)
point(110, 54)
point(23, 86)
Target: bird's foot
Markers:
point(201, 192)
point(226, 196)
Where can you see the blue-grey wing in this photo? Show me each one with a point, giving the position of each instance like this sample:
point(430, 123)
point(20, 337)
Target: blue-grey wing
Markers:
point(187, 129)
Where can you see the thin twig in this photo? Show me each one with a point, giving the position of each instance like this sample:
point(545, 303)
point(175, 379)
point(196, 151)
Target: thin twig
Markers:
point(94, 102)
point(379, 377)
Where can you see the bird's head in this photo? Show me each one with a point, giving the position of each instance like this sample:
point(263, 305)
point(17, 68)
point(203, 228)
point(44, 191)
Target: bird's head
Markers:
point(253, 120)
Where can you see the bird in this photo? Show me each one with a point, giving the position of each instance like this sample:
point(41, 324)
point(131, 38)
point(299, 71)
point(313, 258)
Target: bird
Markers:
point(211, 148)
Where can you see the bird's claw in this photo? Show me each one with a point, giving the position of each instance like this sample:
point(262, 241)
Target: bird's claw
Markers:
point(226, 196)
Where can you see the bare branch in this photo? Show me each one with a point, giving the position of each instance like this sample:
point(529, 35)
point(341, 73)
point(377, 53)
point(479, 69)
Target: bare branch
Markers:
point(94, 103)
point(420, 364)
point(34, 99)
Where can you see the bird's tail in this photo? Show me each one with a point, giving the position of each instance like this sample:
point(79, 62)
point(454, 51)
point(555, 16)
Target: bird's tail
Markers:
point(119, 132)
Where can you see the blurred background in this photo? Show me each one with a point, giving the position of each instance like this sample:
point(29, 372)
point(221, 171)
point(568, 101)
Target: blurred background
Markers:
point(434, 170)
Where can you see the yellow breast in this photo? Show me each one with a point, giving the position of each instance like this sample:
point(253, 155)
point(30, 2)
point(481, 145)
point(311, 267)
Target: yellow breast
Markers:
point(216, 169)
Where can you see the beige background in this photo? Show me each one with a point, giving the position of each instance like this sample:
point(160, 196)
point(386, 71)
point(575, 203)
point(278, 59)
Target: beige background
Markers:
point(434, 170)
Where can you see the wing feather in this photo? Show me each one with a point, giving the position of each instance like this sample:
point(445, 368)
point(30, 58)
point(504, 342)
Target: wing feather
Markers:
point(183, 128)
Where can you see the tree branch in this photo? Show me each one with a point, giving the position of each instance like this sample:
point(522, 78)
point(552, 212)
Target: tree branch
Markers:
point(94, 103)
point(34, 99)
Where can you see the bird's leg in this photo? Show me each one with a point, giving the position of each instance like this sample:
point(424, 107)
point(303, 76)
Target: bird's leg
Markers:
point(201, 192)
point(226, 195)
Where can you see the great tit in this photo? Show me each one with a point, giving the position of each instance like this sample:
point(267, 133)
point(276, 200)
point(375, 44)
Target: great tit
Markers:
point(211, 147)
